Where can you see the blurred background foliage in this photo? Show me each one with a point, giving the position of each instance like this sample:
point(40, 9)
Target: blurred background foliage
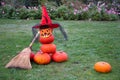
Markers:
point(100, 10)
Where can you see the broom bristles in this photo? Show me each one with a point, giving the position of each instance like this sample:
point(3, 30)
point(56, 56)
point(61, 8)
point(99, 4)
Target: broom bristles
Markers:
point(22, 60)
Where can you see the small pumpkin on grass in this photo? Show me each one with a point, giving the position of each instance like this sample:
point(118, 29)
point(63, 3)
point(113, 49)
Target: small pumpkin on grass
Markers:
point(103, 67)
point(60, 56)
point(32, 55)
point(42, 58)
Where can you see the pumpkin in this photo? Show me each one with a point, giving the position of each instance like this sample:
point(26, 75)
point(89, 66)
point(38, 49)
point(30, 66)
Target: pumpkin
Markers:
point(48, 48)
point(46, 35)
point(42, 58)
point(32, 56)
point(60, 56)
point(46, 40)
point(102, 67)
point(46, 32)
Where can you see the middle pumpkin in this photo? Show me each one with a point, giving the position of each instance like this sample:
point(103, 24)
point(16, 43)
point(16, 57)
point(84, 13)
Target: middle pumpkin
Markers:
point(48, 48)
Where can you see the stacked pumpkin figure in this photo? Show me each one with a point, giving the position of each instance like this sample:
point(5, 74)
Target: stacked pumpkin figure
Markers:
point(48, 49)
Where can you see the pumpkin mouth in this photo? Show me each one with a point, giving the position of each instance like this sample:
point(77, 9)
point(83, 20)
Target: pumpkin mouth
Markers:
point(45, 33)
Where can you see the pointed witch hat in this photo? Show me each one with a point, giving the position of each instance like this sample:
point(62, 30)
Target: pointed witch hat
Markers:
point(46, 21)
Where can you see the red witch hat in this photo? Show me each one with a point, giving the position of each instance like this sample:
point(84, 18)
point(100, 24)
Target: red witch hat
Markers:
point(46, 21)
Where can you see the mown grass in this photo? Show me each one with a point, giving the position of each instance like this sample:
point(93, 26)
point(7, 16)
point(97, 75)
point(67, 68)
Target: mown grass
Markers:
point(89, 42)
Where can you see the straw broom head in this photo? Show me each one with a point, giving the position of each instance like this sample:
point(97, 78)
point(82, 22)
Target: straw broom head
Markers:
point(22, 60)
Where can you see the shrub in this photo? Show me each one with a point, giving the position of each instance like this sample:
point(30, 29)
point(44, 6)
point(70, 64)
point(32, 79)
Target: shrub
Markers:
point(23, 13)
point(105, 16)
point(62, 12)
point(38, 14)
point(34, 14)
point(84, 15)
point(53, 13)
point(0, 12)
point(71, 16)
point(94, 14)
point(7, 11)
point(113, 17)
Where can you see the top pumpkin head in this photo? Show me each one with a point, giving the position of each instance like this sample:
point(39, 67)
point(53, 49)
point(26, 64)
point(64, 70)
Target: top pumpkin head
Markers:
point(46, 35)
point(45, 32)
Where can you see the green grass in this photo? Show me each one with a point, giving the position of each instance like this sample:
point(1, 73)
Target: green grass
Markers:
point(89, 42)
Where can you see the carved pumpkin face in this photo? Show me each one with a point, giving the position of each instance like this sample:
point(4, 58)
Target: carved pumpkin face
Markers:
point(46, 40)
point(45, 33)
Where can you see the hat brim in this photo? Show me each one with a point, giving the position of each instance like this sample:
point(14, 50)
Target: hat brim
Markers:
point(49, 25)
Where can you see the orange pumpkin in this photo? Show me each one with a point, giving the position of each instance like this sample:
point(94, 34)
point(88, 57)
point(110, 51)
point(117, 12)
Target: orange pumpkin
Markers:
point(60, 56)
point(32, 55)
point(46, 35)
point(42, 58)
point(48, 48)
point(45, 32)
point(46, 40)
point(102, 67)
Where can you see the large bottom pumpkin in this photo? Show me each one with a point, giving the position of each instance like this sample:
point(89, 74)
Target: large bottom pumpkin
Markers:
point(60, 56)
point(42, 58)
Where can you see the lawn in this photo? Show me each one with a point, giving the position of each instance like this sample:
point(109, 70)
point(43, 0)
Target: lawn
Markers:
point(88, 43)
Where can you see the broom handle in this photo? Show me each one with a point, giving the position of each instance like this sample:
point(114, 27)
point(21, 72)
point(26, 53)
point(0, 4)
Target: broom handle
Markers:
point(34, 39)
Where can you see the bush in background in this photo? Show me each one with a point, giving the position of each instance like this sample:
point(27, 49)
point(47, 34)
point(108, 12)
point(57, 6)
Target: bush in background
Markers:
point(22, 13)
point(62, 12)
point(7, 11)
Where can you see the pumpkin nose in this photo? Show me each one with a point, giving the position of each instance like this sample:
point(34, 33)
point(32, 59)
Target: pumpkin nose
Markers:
point(45, 33)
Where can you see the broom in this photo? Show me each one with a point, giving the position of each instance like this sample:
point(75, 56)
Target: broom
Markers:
point(22, 60)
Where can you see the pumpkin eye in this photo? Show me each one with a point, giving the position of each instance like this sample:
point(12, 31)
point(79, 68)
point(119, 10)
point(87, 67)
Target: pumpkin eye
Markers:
point(42, 34)
point(47, 30)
